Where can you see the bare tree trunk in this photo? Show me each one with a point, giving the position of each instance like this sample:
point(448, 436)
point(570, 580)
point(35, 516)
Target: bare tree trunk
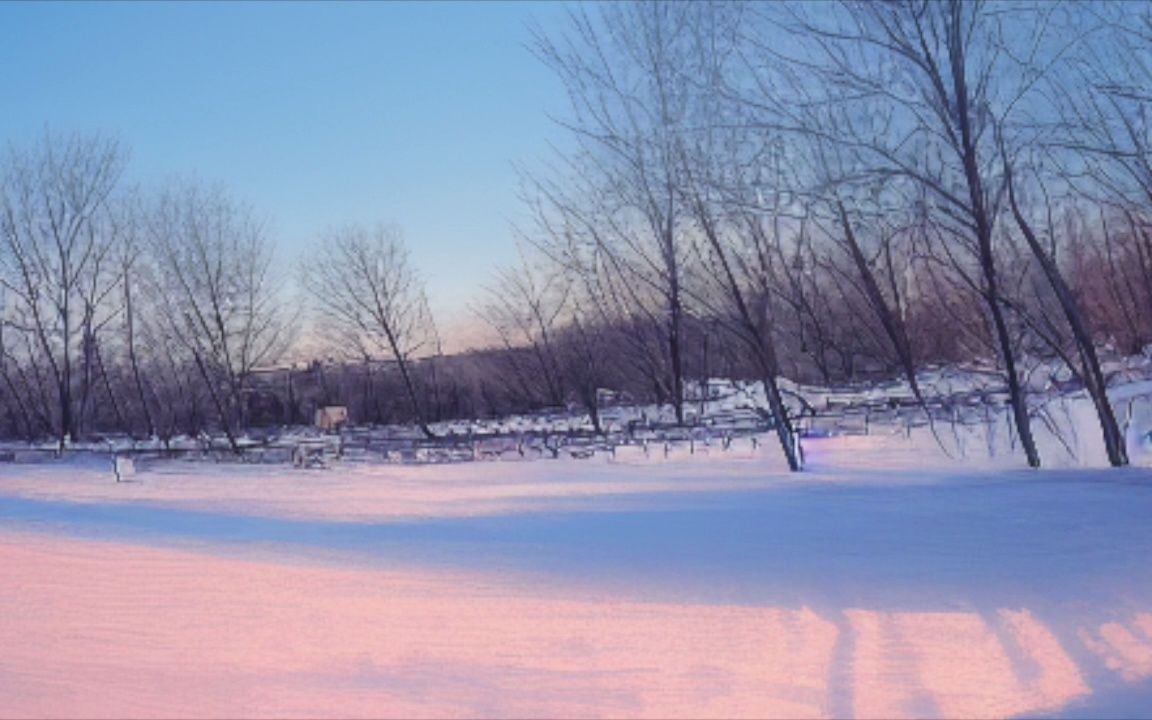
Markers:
point(120, 422)
point(1015, 392)
point(221, 410)
point(1093, 377)
point(765, 353)
point(14, 393)
point(84, 422)
point(130, 328)
point(983, 225)
point(64, 385)
point(410, 387)
point(675, 326)
point(893, 327)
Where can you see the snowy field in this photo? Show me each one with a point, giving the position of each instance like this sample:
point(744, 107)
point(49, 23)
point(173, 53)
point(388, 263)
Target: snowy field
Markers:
point(685, 586)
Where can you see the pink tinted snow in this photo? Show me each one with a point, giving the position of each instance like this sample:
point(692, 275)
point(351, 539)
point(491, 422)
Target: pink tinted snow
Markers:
point(1125, 649)
point(128, 628)
point(113, 629)
point(955, 664)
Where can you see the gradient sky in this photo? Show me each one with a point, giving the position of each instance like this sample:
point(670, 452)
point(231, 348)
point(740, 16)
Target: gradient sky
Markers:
point(316, 114)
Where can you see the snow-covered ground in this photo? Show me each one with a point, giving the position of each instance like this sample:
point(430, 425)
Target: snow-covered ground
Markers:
point(888, 581)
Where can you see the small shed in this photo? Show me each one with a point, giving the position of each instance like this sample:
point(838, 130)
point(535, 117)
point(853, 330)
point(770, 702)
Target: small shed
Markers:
point(331, 417)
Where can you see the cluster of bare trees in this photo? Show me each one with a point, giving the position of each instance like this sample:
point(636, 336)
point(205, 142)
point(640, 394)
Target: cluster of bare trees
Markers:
point(821, 192)
point(846, 188)
point(163, 312)
point(124, 311)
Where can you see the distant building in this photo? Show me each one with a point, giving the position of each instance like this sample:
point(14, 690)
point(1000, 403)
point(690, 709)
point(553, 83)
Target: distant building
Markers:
point(331, 417)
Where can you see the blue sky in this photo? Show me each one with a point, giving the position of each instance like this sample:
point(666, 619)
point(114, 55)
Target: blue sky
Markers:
point(316, 114)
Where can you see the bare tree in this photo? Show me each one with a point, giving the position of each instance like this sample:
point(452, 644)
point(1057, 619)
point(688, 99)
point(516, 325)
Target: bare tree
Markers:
point(131, 263)
point(741, 246)
point(619, 65)
point(373, 303)
point(575, 229)
point(1089, 364)
point(213, 283)
point(54, 239)
point(919, 90)
point(585, 351)
point(525, 308)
